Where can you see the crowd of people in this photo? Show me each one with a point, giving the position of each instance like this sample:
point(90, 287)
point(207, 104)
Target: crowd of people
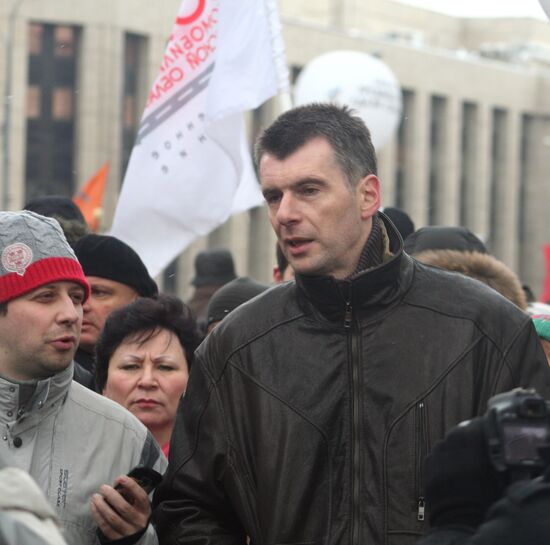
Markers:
point(310, 411)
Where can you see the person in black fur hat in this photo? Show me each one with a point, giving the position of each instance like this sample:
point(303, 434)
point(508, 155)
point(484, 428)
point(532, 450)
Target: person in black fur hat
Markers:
point(65, 211)
point(443, 237)
point(213, 269)
point(400, 219)
point(229, 297)
point(117, 277)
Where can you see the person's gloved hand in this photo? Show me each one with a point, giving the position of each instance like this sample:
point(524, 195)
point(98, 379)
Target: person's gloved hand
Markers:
point(461, 483)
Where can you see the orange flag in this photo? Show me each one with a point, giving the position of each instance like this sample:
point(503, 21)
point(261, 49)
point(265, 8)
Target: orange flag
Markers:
point(90, 197)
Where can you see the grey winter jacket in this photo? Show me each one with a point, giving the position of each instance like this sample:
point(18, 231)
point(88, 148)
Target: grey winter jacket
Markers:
point(25, 515)
point(71, 441)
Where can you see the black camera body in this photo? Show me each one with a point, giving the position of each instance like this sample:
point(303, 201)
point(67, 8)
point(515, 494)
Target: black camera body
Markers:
point(517, 427)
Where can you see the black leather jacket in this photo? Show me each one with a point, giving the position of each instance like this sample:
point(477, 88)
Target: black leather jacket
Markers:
point(310, 409)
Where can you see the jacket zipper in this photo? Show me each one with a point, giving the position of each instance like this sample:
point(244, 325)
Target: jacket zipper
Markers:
point(421, 449)
point(356, 458)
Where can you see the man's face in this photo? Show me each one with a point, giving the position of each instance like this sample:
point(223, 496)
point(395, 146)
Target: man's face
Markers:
point(105, 297)
point(322, 223)
point(39, 333)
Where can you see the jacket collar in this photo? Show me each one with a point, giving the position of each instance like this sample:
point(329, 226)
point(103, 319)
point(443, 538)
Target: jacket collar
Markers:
point(46, 394)
point(367, 291)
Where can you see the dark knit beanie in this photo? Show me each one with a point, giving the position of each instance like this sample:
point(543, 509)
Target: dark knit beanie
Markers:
point(214, 268)
point(34, 252)
point(443, 237)
point(56, 205)
point(230, 296)
point(108, 257)
point(402, 221)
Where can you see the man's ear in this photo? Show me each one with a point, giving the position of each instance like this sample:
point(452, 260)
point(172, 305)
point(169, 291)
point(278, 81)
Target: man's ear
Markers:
point(369, 195)
point(277, 276)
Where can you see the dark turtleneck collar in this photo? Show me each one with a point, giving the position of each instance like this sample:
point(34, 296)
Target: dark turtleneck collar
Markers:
point(376, 280)
point(372, 254)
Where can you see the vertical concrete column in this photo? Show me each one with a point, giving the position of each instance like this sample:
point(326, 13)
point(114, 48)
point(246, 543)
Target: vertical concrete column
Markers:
point(99, 129)
point(416, 161)
point(448, 202)
point(536, 196)
point(478, 195)
point(387, 171)
point(261, 249)
point(14, 106)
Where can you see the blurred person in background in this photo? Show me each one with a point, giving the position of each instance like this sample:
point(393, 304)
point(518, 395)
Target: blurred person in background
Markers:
point(282, 272)
point(542, 325)
point(231, 296)
point(65, 211)
point(144, 355)
point(213, 269)
point(457, 249)
point(117, 276)
point(401, 220)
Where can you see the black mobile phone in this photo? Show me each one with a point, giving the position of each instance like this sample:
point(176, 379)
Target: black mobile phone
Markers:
point(146, 477)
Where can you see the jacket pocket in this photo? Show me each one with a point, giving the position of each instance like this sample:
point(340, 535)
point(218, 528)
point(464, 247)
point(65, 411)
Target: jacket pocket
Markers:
point(421, 449)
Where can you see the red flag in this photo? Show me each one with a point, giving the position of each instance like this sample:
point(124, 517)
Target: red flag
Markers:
point(90, 197)
point(545, 298)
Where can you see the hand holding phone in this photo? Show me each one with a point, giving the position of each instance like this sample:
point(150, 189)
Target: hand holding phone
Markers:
point(146, 477)
point(125, 509)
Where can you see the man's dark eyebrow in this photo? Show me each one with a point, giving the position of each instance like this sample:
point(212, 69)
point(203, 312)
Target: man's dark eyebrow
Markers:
point(308, 181)
point(270, 192)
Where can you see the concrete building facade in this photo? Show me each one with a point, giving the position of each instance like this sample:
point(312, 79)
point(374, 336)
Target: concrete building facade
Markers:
point(472, 148)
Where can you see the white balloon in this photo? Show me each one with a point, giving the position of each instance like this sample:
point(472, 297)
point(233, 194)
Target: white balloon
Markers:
point(359, 81)
point(546, 7)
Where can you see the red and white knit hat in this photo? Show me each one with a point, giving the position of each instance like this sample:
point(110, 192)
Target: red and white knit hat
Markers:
point(34, 252)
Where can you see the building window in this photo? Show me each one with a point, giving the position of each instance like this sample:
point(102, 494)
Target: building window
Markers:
point(134, 51)
point(62, 104)
point(50, 110)
point(35, 39)
point(33, 102)
point(64, 41)
point(438, 111)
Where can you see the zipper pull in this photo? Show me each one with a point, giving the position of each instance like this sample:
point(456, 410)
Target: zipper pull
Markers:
point(421, 508)
point(347, 315)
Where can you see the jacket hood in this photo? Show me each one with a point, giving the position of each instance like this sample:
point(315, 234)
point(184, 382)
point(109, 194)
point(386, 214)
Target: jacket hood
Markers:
point(483, 267)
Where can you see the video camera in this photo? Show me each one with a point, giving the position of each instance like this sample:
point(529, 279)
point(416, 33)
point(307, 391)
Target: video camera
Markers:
point(517, 429)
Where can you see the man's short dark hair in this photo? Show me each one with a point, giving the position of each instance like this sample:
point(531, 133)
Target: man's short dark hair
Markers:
point(347, 134)
point(139, 322)
point(3, 308)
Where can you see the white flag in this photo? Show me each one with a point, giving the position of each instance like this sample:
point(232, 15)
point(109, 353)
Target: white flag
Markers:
point(191, 167)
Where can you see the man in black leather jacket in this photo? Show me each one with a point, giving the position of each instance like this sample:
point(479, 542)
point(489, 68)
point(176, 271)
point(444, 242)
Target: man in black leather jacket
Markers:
point(310, 409)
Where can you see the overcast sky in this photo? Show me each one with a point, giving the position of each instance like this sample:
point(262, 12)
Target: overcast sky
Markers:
point(484, 8)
